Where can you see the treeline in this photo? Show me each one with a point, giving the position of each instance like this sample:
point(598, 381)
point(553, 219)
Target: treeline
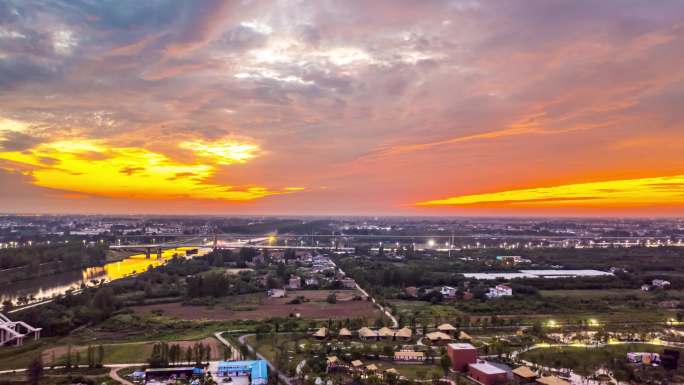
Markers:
point(68, 312)
point(165, 355)
point(94, 357)
point(67, 256)
point(218, 284)
point(382, 274)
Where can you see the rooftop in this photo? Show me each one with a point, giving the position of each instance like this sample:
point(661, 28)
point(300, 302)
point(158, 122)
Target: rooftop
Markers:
point(487, 368)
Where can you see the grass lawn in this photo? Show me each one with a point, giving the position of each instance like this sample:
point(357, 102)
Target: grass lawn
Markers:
point(127, 353)
point(17, 357)
point(423, 309)
point(592, 293)
point(585, 360)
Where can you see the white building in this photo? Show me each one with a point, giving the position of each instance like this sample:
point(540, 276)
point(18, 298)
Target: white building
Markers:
point(448, 291)
point(660, 283)
point(277, 293)
point(499, 291)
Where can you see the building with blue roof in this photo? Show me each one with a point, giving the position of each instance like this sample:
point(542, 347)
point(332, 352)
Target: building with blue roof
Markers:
point(257, 370)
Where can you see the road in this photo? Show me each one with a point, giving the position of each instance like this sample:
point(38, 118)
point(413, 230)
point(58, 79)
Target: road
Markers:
point(114, 374)
point(395, 323)
point(285, 379)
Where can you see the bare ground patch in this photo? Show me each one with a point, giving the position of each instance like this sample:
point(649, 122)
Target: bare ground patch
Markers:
point(316, 308)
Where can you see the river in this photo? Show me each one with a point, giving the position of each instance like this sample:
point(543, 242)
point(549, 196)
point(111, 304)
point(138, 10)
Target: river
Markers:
point(47, 287)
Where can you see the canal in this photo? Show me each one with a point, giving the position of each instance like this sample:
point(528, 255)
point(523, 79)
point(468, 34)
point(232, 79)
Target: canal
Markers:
point(47, 287)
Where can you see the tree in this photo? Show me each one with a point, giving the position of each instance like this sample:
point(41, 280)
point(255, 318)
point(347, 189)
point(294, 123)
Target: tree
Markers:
point(104, 300)
point(91, 357)
point(188, 354)
point(67, 362)
point(35, 371)
point(100, 356)
point(332, 298)
point(445, 362)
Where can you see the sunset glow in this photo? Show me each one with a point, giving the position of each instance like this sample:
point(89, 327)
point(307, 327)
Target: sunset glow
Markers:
point(90, 167)
point(645, 192)
point(459, 107)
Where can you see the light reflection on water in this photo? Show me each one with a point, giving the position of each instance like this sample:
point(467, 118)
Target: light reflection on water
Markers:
point(43, 288)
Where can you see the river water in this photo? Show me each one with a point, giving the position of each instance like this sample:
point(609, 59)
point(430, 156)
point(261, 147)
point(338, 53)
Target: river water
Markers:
point(47, 287)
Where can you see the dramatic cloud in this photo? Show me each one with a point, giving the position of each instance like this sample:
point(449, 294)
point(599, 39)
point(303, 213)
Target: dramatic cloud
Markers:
point(370, 105)
point(89, 167)
point(644, 192)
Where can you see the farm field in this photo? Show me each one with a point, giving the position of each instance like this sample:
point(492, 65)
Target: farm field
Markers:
point(258, 307)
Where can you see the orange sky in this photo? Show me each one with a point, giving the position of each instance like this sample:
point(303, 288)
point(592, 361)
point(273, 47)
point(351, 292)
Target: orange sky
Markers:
point(385, 107)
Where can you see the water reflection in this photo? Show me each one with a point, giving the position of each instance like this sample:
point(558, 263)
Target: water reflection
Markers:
point(43, 288)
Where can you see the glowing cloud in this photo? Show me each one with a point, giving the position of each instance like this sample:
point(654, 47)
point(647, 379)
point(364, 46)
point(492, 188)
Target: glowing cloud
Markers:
point(643, 192)
point(90, 167)
point(222, 152)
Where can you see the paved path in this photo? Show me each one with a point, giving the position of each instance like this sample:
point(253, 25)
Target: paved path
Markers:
point(285, 379)
point(395, 323)
point(234, 351)
point(114, 374)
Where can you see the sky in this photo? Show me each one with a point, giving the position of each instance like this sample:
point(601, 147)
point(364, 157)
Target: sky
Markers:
point(355, 107)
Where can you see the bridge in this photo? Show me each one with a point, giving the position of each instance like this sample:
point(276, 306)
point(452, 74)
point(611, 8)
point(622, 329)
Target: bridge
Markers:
point(15, 331)
point(254, 243)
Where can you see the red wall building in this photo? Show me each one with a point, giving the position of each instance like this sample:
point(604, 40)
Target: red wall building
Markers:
point(461, 356)
point(487, 374)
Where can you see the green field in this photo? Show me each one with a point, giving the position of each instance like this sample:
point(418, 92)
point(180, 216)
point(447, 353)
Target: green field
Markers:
point(586, 360)
point(426, 310)
point(592, 293)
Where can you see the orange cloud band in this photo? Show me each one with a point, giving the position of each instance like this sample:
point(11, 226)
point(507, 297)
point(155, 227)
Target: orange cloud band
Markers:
point(643, 192)
point(90, 167)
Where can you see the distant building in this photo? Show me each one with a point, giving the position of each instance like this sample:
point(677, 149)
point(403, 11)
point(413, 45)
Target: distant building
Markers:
point(411, 291)
point(321, 333)
point(409, 356)
point(446, 328)
point(499, 291)
point(660, 283)
point(295, 282)
point(448, 291)
point(385, 333)
point(348, 283)
point(277, 293)
point(511, 259)
point(436, 338)
point(367, 334)
point(403, 334)
point(344, 333)
point(524, 374)
point(311, 281)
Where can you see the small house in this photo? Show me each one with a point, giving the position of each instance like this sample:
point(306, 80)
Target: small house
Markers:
point(403, 334)
point(446, 328)
point(344, 333)
point(367, 334)
point(321, 333)
point(385, 333)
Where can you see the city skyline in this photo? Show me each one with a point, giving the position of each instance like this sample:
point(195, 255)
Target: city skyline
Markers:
point(470, 108)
